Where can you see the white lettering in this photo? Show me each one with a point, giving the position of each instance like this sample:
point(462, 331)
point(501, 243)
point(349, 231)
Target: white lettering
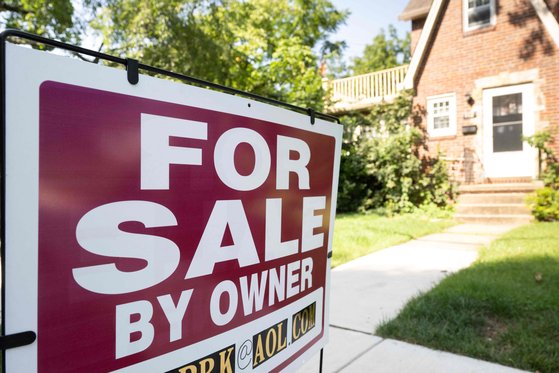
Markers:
point(254, 295)
point(286, 165)
point(309, 240)
point(274, 248)
point(306, 273)
point(293, 279)
point(175, 314)
point(218, 317)
point(277, 285)
point(210, 252)
point(156, 153)
point(125, 328)
point(224, 159)
point(97, 232)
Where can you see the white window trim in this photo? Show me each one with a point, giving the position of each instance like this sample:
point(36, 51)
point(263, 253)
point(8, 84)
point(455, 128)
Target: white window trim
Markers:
point(492, 22)
point(440, 132)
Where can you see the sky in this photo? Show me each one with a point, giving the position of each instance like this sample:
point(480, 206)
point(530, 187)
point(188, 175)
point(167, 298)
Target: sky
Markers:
point(365, 21)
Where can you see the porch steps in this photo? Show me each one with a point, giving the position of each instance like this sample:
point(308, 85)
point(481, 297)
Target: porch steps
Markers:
point(495, 203)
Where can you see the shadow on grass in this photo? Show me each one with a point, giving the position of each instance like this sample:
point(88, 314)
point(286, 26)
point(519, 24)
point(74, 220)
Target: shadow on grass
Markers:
point(505, 311)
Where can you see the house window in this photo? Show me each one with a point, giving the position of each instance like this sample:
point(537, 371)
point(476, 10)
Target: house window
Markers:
point(478, 14)
point(441, 115)
point(507, 123)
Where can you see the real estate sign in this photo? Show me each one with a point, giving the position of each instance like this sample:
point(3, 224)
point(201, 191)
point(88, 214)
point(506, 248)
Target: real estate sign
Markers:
point(161, 227)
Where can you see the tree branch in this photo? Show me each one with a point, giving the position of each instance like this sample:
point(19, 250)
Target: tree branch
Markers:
point(5, 7)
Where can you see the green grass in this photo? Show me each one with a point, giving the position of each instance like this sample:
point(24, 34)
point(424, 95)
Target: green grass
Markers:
point(496, 310)
point(356, 235)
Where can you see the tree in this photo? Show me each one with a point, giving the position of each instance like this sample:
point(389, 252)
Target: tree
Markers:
point(384, 52)
point(268, 47)
point(262, 46)
point(50, 18)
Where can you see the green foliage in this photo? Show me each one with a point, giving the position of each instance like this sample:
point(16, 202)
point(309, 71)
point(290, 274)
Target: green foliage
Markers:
point(268, 47)
point(407, 178)
point(385, 163)
point(332, 63)
point(50, 18)
point(545, 202)
point(261, 46)
point(355, 183)
point(384, 52)
point(542, 141)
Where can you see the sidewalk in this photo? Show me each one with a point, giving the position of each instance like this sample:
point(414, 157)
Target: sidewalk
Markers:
point(368, 290)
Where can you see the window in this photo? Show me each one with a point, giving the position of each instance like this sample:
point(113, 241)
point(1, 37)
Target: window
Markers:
point(441, 115)
point(478, 14)
point(507, 123)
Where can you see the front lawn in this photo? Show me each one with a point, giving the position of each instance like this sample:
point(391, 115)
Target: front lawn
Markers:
point(356, 235)
point(504, 308)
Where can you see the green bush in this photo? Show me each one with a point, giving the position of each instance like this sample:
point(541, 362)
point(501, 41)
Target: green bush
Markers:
point(355, 185)
point(545, 202)
point(550, 176)
point(385, 163)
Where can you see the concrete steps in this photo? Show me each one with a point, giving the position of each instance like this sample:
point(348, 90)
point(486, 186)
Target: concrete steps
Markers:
point(488, 198)
point(493, 219)
point(501, 188)
point(492, 209)
point(495, 203)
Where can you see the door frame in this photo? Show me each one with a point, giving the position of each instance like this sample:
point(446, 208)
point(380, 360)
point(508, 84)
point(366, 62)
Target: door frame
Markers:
point(513, 163)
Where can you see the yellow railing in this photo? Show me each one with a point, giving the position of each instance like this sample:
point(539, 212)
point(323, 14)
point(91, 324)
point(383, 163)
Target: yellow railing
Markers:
point(361, 91)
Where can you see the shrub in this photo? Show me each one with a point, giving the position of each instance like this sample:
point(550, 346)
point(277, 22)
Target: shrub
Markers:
point(550, 176)
point(385, 164)
point(545, 202)
point(355, 184)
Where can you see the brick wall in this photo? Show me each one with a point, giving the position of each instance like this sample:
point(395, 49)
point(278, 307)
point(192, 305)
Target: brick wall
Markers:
point(416, 28)
point(516, 50)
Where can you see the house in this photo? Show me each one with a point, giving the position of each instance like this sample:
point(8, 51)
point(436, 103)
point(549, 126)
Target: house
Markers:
point(487, 73)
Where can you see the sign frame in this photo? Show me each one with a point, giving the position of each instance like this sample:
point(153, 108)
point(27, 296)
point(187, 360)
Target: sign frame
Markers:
point(14, 338)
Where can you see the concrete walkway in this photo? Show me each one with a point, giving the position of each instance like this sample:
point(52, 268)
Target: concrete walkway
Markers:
point(368, 290)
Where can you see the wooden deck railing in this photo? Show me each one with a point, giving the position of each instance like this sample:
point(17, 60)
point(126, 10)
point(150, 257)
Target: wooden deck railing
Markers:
point(361, 91)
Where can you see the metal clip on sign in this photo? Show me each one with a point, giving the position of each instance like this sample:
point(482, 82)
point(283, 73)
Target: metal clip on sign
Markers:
point(312, 114)
point(17, 340)
point(132, 72)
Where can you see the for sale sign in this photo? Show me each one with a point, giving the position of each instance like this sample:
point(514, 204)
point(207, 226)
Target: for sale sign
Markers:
point(161, 227)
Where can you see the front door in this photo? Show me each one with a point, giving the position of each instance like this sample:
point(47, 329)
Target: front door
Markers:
point(508, 115)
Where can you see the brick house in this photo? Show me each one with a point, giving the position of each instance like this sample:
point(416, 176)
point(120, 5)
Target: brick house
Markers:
point(487, 72)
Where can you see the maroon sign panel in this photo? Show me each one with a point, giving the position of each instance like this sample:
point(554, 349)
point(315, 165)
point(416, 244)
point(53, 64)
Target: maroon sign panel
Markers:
point(170, 232)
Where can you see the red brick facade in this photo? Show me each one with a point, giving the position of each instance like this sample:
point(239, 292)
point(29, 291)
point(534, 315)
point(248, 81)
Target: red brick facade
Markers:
point(516, 50)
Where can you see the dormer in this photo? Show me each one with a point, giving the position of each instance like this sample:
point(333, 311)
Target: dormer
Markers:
point(416, 11)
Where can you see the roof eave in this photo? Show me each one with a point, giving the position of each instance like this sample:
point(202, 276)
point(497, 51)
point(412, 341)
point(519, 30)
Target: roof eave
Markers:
point(415, 14)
